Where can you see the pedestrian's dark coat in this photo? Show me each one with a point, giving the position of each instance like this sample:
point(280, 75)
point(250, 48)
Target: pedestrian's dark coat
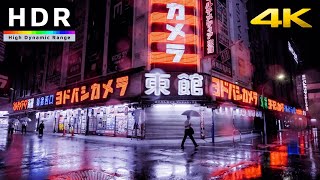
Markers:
point(41, 127)
point(188, 132)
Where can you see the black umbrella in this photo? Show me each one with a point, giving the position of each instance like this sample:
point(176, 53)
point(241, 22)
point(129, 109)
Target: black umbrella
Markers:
point(191, 113)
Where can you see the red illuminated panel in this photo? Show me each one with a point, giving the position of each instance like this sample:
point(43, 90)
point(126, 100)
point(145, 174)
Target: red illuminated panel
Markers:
point(93, 92)
point(225, 90)
point(162, 17)
point(275, 106)
point(20, 105)
point(160, 37)
point(173, 32)
point(279, 157)
point(299, 111)
point(183, 2)
point(161, 57)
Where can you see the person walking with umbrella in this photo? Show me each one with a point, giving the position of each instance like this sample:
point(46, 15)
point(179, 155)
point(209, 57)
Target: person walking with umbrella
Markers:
point(188, 130)
point(12, 125)
point(41, 127)
point(24, 124)
point(24, 127)
point(11, 128)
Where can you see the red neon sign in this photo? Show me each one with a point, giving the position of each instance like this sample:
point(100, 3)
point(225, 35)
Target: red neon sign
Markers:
point(226, 90)
point(20, 105)
point(173, 36)
point(97, 91)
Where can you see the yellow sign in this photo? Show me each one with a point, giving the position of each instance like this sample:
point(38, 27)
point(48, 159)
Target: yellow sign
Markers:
point(274, 22)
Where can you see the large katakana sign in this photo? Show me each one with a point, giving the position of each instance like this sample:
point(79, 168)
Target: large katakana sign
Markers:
point(173, 33)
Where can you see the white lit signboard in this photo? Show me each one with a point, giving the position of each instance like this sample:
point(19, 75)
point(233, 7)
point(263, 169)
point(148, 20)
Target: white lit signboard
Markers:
point(160, 84)
point(305, 91)
point(295, 56)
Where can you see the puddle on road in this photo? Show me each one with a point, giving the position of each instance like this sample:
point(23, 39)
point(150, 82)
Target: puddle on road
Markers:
point(84, 174)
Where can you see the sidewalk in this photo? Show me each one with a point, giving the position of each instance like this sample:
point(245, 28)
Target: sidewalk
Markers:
point(155, 142)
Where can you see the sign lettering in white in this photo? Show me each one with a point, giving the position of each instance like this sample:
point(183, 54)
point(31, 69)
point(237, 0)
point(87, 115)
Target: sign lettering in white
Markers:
point(158, 84)
point(176, 49)
point(30, 103)
point(209, 25)
point(238, 112)
point(305, 91)
point(190, 85)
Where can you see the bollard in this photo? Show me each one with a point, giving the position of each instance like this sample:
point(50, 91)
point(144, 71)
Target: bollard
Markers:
point(64, 131)
point(72, 134)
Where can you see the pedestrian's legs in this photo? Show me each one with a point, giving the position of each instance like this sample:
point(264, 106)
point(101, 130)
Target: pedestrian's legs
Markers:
point(192, 139)
point(183, 140)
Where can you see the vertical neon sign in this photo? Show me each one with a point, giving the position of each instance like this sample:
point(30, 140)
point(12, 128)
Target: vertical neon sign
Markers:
point(173, 33)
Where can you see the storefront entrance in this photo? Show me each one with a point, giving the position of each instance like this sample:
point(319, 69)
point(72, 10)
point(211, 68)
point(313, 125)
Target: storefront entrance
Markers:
point(164, 121)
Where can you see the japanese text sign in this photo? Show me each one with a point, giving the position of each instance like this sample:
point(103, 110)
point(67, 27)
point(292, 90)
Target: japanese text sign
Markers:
point(93, 92)
point(209, 25)
point(175, 84)
point(173, 36)
point(44, 101)
point(23, 104)
point(228, 91)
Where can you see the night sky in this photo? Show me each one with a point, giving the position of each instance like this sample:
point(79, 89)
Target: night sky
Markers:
point(306, 40)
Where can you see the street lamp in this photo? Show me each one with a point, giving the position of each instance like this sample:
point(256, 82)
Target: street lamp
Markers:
point(12, 94)
point(279, 77)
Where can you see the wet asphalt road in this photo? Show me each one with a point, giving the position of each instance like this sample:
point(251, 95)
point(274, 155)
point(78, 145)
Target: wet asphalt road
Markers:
point(51, 157)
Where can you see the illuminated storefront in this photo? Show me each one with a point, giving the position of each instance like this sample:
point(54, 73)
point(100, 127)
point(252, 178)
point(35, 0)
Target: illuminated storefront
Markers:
point(168, 82)
point(278, 114)
point(154, 100)
point(106, 106)
point(3, 119)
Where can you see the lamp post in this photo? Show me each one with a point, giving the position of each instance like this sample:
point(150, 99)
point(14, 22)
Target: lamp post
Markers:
point(279, 77)
point(12, 94)
point(264, 120)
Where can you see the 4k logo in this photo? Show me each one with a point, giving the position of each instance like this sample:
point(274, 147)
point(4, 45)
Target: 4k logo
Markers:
point(274, 22)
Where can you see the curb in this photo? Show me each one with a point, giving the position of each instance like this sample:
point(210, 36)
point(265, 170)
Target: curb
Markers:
point(148, 142)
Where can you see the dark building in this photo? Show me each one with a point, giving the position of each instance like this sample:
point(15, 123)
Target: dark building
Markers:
point(277, 66)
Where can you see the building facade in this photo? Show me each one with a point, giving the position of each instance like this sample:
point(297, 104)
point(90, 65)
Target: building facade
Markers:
point(142, 64)
point(274, 54)
point(311, 86)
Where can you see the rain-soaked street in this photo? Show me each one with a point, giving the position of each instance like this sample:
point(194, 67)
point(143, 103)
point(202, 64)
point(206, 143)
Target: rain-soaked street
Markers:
point(56, 157)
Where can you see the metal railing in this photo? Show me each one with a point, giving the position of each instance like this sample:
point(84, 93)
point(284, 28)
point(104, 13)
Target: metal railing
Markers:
point(245, 132)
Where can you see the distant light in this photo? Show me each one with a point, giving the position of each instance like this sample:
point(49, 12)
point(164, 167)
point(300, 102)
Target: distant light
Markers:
point(281, 76)
point(11, 89)
point(295, 56)
point(313, 120)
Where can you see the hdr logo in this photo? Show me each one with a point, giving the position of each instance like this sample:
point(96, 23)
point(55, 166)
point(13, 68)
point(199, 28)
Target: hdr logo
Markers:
point(59, 15)
point(40, 23)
